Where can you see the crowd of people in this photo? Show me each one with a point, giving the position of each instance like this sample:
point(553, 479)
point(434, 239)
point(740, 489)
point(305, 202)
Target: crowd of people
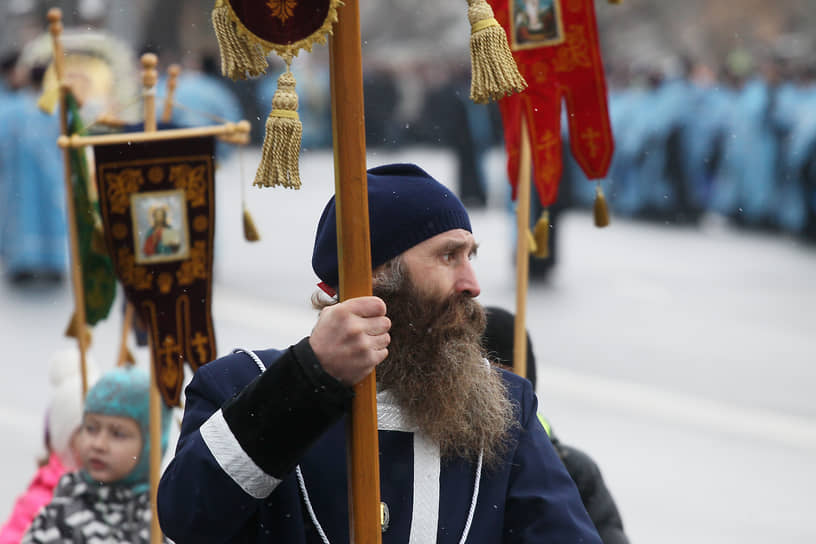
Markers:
point(259, 425)
point(740, 143)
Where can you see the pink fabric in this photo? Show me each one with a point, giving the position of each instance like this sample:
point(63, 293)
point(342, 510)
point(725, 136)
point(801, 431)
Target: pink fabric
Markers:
point(39, 493)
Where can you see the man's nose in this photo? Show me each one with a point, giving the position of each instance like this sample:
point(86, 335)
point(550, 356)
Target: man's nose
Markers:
point(466, 281)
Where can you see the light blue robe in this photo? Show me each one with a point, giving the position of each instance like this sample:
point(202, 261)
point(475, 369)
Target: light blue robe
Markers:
point(33, 235)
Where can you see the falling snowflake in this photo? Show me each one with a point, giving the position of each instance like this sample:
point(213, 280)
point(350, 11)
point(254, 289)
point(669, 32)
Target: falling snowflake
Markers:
point(282, 9)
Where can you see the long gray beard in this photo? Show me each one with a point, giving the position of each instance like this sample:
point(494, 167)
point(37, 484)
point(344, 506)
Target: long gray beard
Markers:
point(438, 375)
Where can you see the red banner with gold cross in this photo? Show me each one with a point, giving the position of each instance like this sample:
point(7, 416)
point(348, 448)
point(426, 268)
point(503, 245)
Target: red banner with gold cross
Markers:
point(158, 208)
point(555, 44)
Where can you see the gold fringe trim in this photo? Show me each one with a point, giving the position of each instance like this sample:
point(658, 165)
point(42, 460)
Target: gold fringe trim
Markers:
point(241, 56)
point(250, 230)
point(542, 236)
point(281, 147)
point(600, 209)
point(494, 71)
point(284, 50)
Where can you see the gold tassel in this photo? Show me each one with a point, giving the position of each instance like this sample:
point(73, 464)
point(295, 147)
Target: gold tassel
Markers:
point(600, 209)
point(495, 73)
point(72, 330)
point(542, 236)
point(241, 57)
point(281, 147)
point(250, 231)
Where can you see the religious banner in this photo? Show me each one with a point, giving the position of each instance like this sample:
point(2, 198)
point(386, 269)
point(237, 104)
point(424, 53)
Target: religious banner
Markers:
point(98, 279)
point(247, 31)
point(158, 207)
point(555, 44)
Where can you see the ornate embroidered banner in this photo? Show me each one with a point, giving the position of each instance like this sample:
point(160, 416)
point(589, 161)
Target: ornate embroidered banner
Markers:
point(158, 207)
point(555, 44)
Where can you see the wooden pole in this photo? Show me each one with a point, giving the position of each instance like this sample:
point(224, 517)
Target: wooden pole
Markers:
point(354, 256)
point(55, 28)
point(127, 323)
point(172, 80)
point(227, 130)
point(149, 78)
point(522, 253)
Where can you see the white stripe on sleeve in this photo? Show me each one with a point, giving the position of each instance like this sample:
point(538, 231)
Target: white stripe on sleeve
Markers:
point(234, 460)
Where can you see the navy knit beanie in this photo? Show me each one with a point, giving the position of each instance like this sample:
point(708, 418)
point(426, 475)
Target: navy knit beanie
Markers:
point(406, 206)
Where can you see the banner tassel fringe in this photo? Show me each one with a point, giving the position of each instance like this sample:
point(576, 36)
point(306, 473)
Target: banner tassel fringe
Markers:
point(600, 209)
point(281, 147)
point(494, 71)
point(250, 230)
point(542, 236)
point(240, 57)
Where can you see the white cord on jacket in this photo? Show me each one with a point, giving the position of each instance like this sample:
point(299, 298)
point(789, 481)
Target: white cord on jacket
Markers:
point(308, 502)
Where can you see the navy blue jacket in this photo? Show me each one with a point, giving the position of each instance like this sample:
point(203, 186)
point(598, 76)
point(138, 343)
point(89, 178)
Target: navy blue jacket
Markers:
point(243, 433)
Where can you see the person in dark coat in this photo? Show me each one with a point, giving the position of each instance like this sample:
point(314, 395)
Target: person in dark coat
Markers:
point(463, 457)
point(498, 344)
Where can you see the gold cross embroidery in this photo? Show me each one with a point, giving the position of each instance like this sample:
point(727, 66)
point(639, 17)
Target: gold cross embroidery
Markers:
point(282, 9)
point(590, 136)
point(170, 350)
point(199, 342)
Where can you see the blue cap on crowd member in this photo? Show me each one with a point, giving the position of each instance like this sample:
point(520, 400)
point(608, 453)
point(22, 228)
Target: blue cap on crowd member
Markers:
point(406, 206)
point(125, 392)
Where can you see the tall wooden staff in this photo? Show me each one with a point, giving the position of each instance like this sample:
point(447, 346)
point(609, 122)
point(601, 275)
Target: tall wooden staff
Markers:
point(173, 72)
point(354, 256)
point(149, 78)
point(55, 28)
point(522, 254)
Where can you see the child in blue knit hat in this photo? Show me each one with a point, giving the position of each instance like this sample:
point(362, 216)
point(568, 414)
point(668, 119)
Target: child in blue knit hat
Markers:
point(108, 499)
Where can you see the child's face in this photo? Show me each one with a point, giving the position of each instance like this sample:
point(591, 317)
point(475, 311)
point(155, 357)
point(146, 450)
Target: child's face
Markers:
point(109, 446)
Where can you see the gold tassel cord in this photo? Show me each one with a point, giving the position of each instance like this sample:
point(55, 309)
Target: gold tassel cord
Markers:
point(250, 231)
point(542, 236)
point(281, 147)
point(494, 71)
point(240, 56)
point(600, 209)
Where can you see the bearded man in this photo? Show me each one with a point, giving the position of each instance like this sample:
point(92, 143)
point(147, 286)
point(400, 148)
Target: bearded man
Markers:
point(463, 457)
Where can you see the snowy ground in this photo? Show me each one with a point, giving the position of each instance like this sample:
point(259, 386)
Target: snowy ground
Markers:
point(682, 359)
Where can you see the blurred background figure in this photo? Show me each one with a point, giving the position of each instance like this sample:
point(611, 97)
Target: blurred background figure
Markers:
point(62, 424)
point(498, 345)
point(33, 239)
point(203, 98)
point(7, 64)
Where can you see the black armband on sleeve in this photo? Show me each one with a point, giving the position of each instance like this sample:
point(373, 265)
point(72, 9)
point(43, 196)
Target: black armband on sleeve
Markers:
point(281, 413)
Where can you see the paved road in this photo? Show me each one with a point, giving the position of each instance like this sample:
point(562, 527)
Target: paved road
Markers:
point(681, 359)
